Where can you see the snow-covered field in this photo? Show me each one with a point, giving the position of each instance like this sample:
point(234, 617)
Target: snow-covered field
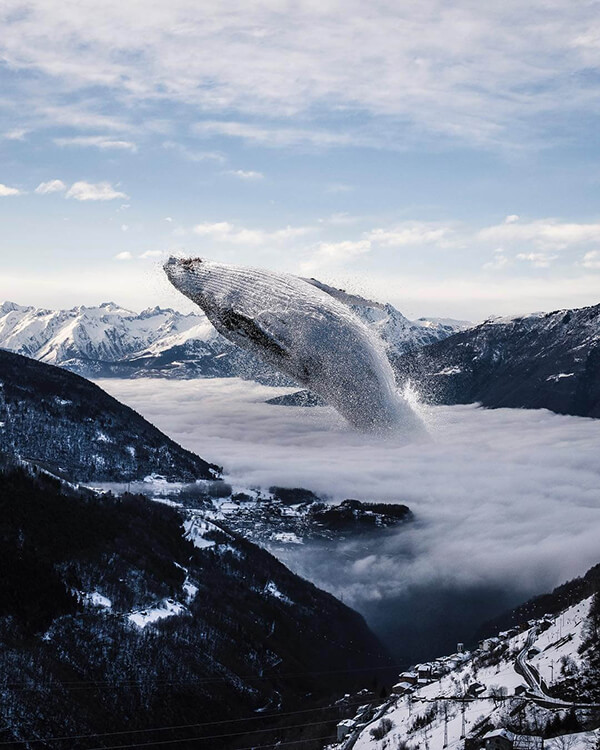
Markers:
point(499, 495)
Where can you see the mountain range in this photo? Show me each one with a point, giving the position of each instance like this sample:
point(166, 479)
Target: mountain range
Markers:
point(110, 341)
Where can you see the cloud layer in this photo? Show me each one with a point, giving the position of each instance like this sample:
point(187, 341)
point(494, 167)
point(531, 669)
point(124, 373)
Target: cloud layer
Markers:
point(485, 74)
point(503, 498)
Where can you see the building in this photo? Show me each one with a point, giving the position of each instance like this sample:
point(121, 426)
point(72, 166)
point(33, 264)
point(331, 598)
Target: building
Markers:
point(489, 644)
point(503, 739)
point(401, 688)
point(475, 689)
point(499, 739)
point(410, 677)
point(344, 728)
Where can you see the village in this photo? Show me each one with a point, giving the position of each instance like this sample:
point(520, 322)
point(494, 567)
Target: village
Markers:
point(494, 697)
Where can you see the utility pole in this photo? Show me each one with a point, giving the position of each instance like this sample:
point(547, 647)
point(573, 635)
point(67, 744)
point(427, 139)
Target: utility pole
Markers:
point(445, 724)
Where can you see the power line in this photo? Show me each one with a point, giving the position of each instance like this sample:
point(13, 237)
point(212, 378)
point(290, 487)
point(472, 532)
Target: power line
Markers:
point(154, 743)
point(183, 726)
point(250, 747)
point(93, 684)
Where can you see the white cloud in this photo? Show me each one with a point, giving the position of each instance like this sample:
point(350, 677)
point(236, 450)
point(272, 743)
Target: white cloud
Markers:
point(539, 260)
point(124, 227)
point(460, 70)
point(546, 234)
point(192, 154)
point(97, 141)
point(331, 253)
point(274, 136)
point(6, 191)
point(168, 218)
point(18, 134)
point(243, 174)
point(152, 254)
point(52, 186)
point(498, 262)
point(412, 233)
point(591, 259)
point(223, 231)
point(512, 219)
point(125, 255)
point(90, 191)
point(339, 187)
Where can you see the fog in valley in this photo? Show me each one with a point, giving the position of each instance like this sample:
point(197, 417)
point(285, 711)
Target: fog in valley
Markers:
point(505, 501)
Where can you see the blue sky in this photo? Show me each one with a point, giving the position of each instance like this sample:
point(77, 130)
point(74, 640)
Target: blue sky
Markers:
point(444, 157)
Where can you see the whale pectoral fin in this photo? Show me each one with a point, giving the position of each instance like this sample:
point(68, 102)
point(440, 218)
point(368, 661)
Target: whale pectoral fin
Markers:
point(250, 329)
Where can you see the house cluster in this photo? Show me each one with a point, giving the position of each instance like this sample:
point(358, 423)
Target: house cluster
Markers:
point(346, 726)
point(503, 739)
point(542, 623)
point(424, 674)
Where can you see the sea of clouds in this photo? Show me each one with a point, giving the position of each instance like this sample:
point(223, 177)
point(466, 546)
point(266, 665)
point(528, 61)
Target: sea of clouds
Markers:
point(505, 500)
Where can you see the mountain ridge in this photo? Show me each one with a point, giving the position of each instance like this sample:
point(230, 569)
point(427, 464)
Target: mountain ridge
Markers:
point(544, 360)
point(110, 341)
point(73, 428)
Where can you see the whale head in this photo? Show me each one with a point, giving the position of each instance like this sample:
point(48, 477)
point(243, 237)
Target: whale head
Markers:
point(183, 274)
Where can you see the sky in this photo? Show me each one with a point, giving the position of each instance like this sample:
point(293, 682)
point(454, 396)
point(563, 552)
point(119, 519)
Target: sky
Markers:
point(505, 500)
point(441, 156)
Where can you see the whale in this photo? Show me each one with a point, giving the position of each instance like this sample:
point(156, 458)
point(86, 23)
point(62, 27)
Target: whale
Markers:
point(301, 331)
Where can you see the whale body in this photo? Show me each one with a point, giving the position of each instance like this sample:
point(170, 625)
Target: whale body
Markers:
point(303, 332)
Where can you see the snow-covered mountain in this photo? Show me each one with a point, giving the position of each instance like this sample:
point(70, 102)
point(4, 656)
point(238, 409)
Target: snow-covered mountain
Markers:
point(543, 360)
point(531, 686)
point(131, 621)
point(73, 428)
point(109, 340)
point(398, 332)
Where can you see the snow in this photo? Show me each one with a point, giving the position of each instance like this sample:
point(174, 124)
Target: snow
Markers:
point(272, 590)
point(190, 591)
point(195, 530)
point(166, 501)
point(287, 537)
point(95, 599)
point(165, 608)
point(560, 375)
point(562, 639)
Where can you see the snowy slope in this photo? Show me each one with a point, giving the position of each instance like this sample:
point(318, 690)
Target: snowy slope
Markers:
point(534, 361)
point(473, 693)
point(109, 340)
point(398, 332)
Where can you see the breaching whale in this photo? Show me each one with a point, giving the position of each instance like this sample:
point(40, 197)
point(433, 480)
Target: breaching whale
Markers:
point(303, 332)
